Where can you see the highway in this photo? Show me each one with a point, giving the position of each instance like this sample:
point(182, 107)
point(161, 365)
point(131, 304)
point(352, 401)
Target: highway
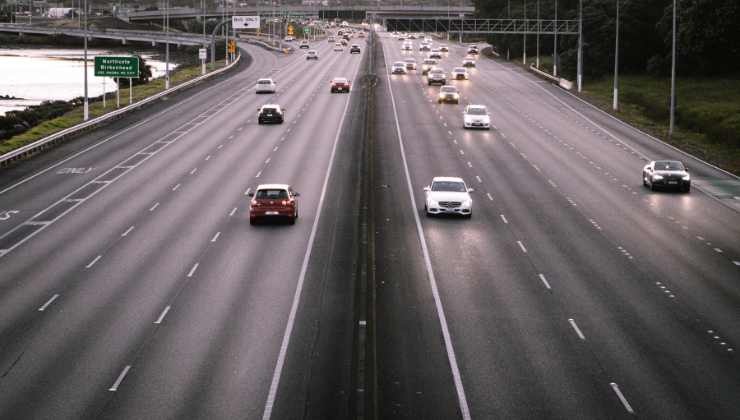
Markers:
point(133, 286)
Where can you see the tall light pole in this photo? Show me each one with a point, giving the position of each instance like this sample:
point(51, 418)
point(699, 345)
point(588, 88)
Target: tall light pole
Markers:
point(673, 77)
point(508, 16)
point(524, 48)
point(555, 44)
point(579, 77)
point(448, 20)
point(538, 33)
point(615, 98)
point(85, 106)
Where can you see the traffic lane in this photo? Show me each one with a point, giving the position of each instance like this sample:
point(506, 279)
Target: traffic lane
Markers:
point(670, 242)
point(518, 309)
point(406, 327)
point(706, 216)
point(532, 179)
point(181, 159)
point(63, 169)
point(257, 286)
point(148, 234)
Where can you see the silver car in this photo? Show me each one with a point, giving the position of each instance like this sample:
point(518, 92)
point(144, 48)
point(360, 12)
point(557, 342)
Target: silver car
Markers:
point(448, 195)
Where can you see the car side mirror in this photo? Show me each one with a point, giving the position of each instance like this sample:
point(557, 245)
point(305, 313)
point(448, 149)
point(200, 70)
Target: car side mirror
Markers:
point(427, 188)
point(686, 168)
point(471, 189)
point(296, 194)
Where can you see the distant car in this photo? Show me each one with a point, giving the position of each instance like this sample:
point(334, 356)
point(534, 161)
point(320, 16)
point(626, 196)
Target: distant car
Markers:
point(340, 84)
point(338, 47)
point(444, 48)
point(460, 73)
point(407, 46)
point(473, 49)
point(343, 42)
point(424, 47)
point(355, 49)
point(410, 64)
point(273, 201)
point(448, 195)
point(476, 116)
point(468, 62)
point(666, 174)
point(427, 65)
point(288, 38)
point(265, 85)
point(399, 67)
point(436, 76)
point(331, 39)
point(304, 45)
point(436, 55)
point(448, 94)
point(270, 114)
point(312, 55)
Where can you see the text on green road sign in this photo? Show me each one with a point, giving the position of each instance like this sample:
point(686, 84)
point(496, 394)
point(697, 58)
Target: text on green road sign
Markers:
point(108, 66)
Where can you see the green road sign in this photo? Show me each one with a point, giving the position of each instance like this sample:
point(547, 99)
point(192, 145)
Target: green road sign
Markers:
point(109, 66)
point(306, 30)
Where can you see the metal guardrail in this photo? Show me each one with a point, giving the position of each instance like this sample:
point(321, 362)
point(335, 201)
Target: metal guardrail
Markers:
point(56, 138)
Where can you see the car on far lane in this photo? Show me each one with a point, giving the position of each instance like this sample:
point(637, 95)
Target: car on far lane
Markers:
point(354, 49)
point(444, 48)
point(436, 55)
point(468, 62)
point(399, 67)
point(460, 73)
point(338, 47)
point(473, 50)
point(407, 46)
point(270, 114)
point(340, 84)
point(476, 116)
point(273, 201)
point(448, 94)
point(312, 55)
point(304, 45)
point(436, 76)
point(331, 39)
point(666, 174)
point(424, 47)
point(265, 85)
point(448, 195)
point(410, 64)
point(427, 65)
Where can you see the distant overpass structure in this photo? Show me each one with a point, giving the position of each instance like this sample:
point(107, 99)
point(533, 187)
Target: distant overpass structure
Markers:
point(155, 37)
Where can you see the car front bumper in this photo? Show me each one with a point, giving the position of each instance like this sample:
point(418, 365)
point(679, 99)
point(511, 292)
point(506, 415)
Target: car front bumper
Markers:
point(672, 183)
point(483, 125)
point(462, 211)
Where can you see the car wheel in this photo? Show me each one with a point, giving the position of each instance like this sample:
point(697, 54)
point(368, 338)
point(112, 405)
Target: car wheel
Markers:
point(260, 122)
point(652, 187)
point(291, 221)
point(468, 216)
point(686, 189)
point(252, 221)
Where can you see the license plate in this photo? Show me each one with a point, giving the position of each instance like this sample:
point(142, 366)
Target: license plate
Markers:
point(672, 182)
point(271, 213)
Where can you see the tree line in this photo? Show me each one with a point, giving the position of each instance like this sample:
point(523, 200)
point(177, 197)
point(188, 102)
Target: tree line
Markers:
point(708, 34)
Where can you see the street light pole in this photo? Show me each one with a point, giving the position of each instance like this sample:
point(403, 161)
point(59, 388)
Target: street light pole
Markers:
point(538, 33)
point(555, 44)
point(167, 45)
point(524, 49)
point(85, 107)
point(508, 16)
point(673, 77)
point(580, 46)
point(615, 98)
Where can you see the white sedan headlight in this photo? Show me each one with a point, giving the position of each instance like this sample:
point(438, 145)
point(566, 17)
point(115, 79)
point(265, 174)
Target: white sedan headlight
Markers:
point(686, 177)
point(468, 203)
point(657, 177)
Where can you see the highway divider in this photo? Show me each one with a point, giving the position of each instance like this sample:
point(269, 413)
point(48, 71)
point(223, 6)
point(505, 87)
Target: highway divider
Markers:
point(48, 142)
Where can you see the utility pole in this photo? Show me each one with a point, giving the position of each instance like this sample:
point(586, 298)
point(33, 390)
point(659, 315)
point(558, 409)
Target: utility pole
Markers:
point(555, 44)
point(580, 46)
point(615, 98)
point(508, 16)
point(86, 107)
point(167, 45)
point(673, 78)
point(538, 34)
point(524, 49)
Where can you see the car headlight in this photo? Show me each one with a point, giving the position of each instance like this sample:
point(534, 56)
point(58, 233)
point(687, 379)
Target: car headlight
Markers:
point(657, 177)
point(686, 177)
point(468, 202)
point(431, 203)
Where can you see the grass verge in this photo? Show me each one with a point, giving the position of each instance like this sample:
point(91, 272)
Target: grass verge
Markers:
point(75, 116)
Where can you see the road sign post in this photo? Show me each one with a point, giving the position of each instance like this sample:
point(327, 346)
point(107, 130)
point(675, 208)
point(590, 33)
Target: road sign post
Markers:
point(203, 54)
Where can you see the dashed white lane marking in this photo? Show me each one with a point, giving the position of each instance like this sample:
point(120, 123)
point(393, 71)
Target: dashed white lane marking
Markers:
point(275, 149)
point(232, 212)
point(490, 197)
point(544, 280)
point(193, 171)
point(551, 182)
point(478, 178)
point(118, 381)
point(247, 191)
point(152, 208)
point(92, 263)
point(267, 161)
point(162, 315)
point(470, 165)
point(208, 157)
point(215, 237)
point(521, 245)
point(718, 250)
point(448, 131)
point(624, 401)
point(462, 152)
point(736, 263)
point(192, 270)
point(259, 174)
point(536, 168)
point(175, 187)
point(503, 136)
point(220, 146)
point(575, 327)
point(48, 302)
point(504, 219)
point(231, 137)
point(124, 234)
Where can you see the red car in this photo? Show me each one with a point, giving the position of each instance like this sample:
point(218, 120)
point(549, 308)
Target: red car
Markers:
point(273, 201)
point(340, 84)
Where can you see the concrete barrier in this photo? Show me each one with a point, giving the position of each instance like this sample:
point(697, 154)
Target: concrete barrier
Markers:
point(563, 83)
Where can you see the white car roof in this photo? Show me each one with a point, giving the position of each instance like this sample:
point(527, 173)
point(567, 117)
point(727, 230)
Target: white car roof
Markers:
point(265, 79)
point(460, 69)
point(447, 179)
point(273, 187)
point(472, 106)
point(399, 63)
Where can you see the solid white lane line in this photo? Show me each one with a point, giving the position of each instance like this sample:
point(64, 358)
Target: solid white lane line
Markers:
point(272, 393)
point(575, 327)
point(192, 270)
point(193, 171)
point(162, 315)
point(457, 378)
point(232, 212)
point(124, 234)
point(521, 245)
point(123, 374)
point(490, 197)
point(154, 206)
point(544, 280)
point(175, 187)
point(48, 302)
point(92, 263)
point(215, 237)
point(624, 401)
point(504, 219)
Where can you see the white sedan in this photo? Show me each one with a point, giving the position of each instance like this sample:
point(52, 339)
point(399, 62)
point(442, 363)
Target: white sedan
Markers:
point(265, 85)
point(476, 116)
point(448, 195)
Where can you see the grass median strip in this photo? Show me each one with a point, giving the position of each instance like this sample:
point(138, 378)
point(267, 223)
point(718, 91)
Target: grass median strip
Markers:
point(96, 109)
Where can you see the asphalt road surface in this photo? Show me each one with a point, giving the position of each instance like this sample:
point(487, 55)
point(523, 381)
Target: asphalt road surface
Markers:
point(133, 286)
